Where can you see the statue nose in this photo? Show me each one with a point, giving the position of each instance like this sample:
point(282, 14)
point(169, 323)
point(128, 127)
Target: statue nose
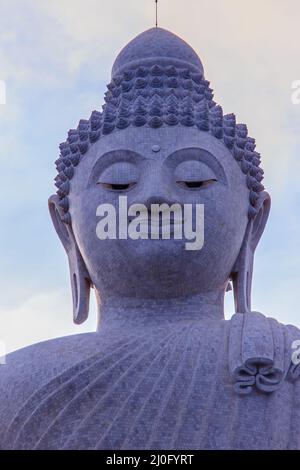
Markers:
point(156, 187)
point(158, 199)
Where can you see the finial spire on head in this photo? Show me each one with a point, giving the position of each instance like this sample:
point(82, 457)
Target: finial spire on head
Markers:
point(156, 2)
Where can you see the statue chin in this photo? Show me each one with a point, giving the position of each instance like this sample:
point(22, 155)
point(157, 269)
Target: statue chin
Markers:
point(164, 370)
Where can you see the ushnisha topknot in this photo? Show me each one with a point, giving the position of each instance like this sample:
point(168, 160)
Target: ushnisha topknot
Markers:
point(158, 79)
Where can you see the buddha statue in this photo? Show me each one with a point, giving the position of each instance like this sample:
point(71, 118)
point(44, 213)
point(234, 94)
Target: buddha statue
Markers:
point(164, 370)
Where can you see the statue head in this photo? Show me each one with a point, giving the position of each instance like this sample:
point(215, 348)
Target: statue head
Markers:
point(160, 138)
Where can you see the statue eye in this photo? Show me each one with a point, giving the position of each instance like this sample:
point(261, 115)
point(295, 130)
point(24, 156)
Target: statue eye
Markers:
point(196, 184)
point(118, 177)
point(117, 186)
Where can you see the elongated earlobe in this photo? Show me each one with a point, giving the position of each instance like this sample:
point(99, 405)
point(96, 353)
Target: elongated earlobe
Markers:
point(81, 285)
point(80, 279)
point(242, 272)
point(242, 276)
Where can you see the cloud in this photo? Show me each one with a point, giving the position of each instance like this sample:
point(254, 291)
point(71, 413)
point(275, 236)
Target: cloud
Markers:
point(67, 36)
point(43, 316)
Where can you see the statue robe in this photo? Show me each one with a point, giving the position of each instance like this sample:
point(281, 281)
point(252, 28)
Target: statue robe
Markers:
point(187, 385)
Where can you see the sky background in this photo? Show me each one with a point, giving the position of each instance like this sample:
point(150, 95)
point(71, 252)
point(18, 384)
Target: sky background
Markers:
point(56, 57)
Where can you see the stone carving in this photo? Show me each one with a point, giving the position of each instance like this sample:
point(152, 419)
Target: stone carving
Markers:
point(164, 370)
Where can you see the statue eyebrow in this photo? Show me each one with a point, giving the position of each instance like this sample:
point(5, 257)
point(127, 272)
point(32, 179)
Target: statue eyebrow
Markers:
point(198, 154)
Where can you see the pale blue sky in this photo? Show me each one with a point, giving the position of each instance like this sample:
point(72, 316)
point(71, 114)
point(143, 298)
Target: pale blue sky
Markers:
point(56, 56)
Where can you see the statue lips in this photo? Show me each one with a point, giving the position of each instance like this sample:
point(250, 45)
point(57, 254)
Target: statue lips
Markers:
point(160, 226)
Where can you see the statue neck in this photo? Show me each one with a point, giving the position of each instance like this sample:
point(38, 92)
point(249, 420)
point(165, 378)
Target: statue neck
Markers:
point(129, 313)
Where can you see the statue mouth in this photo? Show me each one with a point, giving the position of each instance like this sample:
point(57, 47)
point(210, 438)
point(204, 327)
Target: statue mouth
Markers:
point(158, 228)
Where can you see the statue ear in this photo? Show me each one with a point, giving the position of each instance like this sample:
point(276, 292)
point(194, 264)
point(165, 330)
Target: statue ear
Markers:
point(242, 272)
point(80, 279)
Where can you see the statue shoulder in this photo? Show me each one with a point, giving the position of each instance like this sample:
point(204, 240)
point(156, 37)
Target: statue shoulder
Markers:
point(256, 326)
point(262, 352)
point(28, 370)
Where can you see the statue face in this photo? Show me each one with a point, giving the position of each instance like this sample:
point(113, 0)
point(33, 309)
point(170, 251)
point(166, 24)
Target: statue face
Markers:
point(166, 165)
